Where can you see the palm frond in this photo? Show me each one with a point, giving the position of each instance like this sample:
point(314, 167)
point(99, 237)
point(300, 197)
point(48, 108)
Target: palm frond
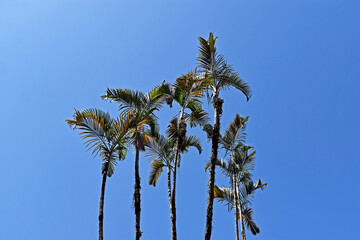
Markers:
point(225, 196)
point(191, 141)
point(172, 131)
point(160, 149)
point(127, 98)
point(247, 214)
point(232, 79)
point(95, 125)
point(197, 117)
point(155, 172)
point(208, 129)
point(234, 134)
point(216, 69)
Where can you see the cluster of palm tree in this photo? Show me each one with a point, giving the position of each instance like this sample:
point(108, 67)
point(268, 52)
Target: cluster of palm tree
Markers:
point(137, 126)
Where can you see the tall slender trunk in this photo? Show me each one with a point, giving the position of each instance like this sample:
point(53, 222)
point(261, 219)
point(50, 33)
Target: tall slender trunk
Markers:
point(172, 215)
point(137, 193)
point(101, 208)
point(217, 103)
point(176, 163)
point(243, 236)
point(236, 207)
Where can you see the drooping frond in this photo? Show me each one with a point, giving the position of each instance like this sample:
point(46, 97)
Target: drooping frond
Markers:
point(252, 186)
point(95, 125)
point(172, 130)
point(156, 170)
point(191, 141)
point(106, 136)
point(110, 162)
point(127, 98)
point(208, 129)
point(160, 149)
point(197, 117)
point(225, 196)
point(247, 214)
point(232, 79)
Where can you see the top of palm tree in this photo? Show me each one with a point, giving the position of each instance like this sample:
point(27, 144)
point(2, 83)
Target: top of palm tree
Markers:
point(141, 105)
point(216, 69)
point(187, 91)
point(104, 135)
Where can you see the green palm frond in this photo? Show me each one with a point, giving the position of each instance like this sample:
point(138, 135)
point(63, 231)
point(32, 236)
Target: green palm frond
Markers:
point(207, 52)
point(216, 69)
point(106, 136)
point(160, 149)
point(95, 125)
point(109, 162)
point(191, 141)
point(172, 131)
point(208, 129)
point(197, 117)
point(127, 98)
point(234, 134)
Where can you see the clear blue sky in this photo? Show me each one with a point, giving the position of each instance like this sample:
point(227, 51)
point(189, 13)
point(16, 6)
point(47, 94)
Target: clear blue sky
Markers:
point(301, 58)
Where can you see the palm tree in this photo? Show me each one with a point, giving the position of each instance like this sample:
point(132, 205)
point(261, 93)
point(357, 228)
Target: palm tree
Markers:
point(107, 137)
point(237, 169)
point(162, 154)
point(222, 76)
point(186, 91)
point(143, 107)
point(228, 196)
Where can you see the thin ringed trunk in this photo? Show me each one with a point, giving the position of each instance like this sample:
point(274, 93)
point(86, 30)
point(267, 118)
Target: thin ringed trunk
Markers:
point(137, 193)
point(101, 208)
point(173, 199)
point(172, 220)
point(236, 208)
point(214, 152)
point(243, 236)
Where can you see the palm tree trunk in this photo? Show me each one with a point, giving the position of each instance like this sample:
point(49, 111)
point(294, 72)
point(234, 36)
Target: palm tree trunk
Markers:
point(137, 194)
point(176, 162)
point(217, 103)
point(173, 202)
point(101, 208)
point(172, 216)
point(243, 236)
point(236, 208)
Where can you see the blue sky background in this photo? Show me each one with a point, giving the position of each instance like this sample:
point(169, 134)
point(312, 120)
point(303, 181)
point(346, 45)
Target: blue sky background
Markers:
point(301, 58)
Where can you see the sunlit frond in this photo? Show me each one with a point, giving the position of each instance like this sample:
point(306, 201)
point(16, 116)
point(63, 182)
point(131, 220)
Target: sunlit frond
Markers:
point(127, 98)
point(247, 214)
point(95, 127)
point(155, 172)
point(225, 196)
point(104, 135)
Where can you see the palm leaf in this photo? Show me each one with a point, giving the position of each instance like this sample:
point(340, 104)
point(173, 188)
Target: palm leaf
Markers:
point(155, 172)
point(247, 214)
point(191, 141)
